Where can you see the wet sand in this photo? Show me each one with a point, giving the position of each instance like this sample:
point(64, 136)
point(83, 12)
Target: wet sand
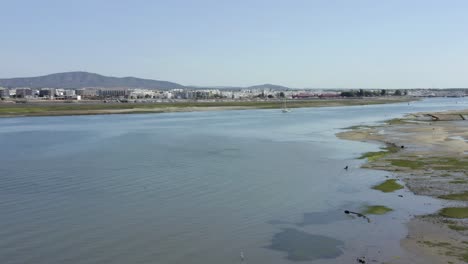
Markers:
point(432, 162)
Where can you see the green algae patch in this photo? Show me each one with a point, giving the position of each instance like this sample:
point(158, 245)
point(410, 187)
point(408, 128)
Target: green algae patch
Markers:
point(449, 164)
point(458, 228)
point(376, 210)
point(456, 196)
point(412, 164)
point(454, 212)
point(436, 244)
point(375, 155)
point(458, 181)
point(435, 163)
point(388, 186)
point(302, 246)
point(461, 256)
point(464, 257)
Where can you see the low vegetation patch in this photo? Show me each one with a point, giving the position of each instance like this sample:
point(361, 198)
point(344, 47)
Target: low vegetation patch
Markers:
point(376, 210)
point(388, 186)
point(454, 212)
point(456, 196)
point(458, 182)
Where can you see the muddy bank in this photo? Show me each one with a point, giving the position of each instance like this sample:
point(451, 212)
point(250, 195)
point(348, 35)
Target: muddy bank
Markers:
point(429, 152)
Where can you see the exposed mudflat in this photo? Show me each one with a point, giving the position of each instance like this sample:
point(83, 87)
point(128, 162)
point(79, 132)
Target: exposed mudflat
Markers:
point(428, 151)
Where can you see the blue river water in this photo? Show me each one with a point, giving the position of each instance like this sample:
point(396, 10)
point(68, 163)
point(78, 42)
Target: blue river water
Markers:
point(196, 187)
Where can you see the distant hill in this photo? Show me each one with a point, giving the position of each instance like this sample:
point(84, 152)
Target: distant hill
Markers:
point(269, 86)
point(69, 80)
point(74, 80)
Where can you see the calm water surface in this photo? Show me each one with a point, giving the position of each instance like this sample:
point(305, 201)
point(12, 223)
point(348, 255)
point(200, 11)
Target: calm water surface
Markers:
point(197, 187)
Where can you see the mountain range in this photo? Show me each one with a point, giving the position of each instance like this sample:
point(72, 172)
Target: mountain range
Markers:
point(75, 80)
point(69, 80)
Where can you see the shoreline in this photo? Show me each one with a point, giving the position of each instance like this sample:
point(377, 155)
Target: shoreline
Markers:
point(8, 110)
point(430, 154)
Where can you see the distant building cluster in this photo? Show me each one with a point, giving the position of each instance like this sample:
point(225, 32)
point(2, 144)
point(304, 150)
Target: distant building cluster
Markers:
point(126, 95)
point(438, 92)
point(41, 94)
point(147, 94)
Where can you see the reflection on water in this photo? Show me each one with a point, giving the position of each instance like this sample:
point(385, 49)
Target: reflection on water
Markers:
point(302, 246)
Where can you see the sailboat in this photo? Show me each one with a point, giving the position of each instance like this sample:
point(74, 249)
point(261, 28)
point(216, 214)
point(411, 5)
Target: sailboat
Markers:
point(285, 109)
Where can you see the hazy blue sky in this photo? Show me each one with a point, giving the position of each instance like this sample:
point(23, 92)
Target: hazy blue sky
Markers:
point(303, 43)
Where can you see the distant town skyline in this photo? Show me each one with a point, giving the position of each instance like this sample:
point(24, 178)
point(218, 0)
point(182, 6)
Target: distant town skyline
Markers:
point(299, 44)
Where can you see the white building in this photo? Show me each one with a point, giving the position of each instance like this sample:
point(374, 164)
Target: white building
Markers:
point(69, 93)
point(4, 92)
